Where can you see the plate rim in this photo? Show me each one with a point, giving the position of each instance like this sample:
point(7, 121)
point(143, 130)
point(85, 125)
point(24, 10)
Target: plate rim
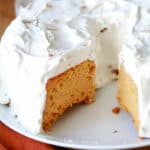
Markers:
point(69, 145)
point(65, 142)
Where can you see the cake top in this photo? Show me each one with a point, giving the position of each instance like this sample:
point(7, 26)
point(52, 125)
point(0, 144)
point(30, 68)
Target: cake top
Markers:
point(51, 27)
point(47, 33)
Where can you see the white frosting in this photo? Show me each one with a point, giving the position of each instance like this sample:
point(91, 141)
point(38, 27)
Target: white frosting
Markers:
point(109, 43)
point(136, 58)
point(51, 36)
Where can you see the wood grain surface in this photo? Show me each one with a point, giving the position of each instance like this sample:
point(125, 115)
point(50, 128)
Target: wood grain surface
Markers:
point(7, 14)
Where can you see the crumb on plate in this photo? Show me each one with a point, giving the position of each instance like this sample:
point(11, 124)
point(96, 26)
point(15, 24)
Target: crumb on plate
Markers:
point(116, 110)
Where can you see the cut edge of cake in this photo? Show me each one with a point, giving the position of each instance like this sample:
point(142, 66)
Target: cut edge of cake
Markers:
point(74, 86)
point(127, 95)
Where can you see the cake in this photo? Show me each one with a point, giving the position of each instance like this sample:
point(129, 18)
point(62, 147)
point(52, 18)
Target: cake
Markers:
point(134, 77)
point(36, 64)
point(55, 54)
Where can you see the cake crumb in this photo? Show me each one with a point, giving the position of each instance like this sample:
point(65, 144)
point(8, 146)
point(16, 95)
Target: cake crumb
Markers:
point(115, 131)
point(7, 105)
point(115, 71)
point(50, 55)
point(15, 116)
point(115, 79)
point(103, 30)
point(25, 21)
point(49, 5)
point(83, 7)
point(109, 66)
point(133, 120)
point(140, 138)
point(116, 110)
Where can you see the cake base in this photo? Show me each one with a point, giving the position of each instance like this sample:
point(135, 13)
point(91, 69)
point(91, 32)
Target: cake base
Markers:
point(74, 86)
point(127, 95)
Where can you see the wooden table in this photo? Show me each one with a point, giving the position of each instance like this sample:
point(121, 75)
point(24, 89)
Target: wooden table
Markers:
point(7, 14)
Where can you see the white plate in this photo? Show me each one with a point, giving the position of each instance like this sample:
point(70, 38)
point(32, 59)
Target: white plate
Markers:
point(88, 126)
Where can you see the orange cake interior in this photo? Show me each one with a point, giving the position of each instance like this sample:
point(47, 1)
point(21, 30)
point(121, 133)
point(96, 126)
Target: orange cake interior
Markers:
point(127, 95)
point(74, 86)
